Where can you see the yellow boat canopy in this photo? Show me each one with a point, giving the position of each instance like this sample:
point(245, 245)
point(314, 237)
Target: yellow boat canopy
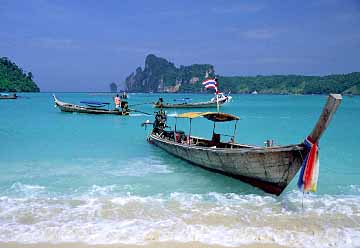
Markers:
point(191, 115)
point(212, 116)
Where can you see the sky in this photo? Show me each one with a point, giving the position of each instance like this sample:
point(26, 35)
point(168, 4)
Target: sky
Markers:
point(83, 45)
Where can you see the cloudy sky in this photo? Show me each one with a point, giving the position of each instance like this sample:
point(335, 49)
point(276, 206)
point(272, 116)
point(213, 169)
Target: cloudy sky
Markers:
point(83, 45)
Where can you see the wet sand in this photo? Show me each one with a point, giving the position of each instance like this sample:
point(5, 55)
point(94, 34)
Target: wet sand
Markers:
point(151, 245)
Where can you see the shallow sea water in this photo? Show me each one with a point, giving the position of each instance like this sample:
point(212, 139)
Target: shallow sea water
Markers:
point(94, 180)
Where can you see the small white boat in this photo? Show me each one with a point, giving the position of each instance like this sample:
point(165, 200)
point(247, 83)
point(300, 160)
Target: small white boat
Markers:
point(213, 103)
point(221, 97)
point(5, 96)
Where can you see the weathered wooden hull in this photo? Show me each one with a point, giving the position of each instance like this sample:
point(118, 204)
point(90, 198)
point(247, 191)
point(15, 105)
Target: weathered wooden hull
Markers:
point(72, 108)
point(208, 104)
point(270, 169)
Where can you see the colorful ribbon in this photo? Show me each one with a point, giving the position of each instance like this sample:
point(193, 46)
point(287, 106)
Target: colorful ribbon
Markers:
point(310, 167)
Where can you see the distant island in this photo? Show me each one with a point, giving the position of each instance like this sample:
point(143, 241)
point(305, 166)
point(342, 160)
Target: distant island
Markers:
point(14, 79)
point(160, 75)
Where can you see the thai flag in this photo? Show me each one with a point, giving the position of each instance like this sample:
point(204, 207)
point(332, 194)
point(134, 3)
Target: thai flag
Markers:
point(210, 84)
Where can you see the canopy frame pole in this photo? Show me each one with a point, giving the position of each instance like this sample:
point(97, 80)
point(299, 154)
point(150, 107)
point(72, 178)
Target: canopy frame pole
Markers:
point(175, 123)
point(175, 129)
point(214, 128)
point(217, 102)
point(233, 137)
point(189, 131)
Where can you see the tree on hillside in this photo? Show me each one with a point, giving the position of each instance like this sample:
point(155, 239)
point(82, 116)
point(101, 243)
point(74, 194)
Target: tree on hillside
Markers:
point(113, 87)
point(14, 79)
point(30, 75)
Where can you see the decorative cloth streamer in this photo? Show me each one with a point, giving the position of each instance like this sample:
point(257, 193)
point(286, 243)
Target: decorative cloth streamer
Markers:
point(310, 167)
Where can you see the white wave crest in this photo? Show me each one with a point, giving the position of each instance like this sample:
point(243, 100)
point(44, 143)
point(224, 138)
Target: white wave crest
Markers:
point(26, 190)
point(213, 218)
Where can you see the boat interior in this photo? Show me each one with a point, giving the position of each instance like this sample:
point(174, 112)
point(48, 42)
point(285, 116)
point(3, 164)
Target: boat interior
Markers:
point(215, 142)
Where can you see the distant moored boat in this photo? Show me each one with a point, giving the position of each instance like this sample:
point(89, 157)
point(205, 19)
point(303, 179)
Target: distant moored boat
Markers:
point(218, 99)
point(91, 108)
point(6, 96)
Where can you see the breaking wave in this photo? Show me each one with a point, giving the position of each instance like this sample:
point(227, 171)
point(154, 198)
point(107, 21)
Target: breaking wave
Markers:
point(112, 214)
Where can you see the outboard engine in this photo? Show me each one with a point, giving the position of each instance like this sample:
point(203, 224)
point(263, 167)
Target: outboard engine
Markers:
point(124, 106)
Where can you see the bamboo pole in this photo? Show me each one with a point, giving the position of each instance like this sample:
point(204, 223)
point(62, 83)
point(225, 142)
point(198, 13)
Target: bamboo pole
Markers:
point(189, 133)
point(235, 131)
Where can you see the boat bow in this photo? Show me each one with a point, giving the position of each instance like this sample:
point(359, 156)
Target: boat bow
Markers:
point(328, 112)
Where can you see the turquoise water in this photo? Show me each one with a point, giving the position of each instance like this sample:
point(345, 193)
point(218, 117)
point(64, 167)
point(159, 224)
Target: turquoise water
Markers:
point(98, 177)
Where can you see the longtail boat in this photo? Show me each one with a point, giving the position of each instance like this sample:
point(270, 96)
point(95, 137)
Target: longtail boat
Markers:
point(270, 168)
point(91, 108)
point(219, 99)
point(8, 96)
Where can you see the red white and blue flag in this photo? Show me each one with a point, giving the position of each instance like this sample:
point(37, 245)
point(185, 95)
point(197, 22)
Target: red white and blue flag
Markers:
point(210, 84)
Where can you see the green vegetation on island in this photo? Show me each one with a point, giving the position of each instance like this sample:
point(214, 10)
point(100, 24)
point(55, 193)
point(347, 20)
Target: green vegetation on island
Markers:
point(294, 84)
point(14, 79)
point(160, 75)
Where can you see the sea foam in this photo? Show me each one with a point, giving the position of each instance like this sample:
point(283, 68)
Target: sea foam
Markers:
point(102, 215)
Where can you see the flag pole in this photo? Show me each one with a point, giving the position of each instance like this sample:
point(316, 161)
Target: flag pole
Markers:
point(213, 84)
point(216, 94)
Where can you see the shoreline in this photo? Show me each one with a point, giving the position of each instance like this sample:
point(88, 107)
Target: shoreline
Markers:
point(166, 244)
point(180, 93)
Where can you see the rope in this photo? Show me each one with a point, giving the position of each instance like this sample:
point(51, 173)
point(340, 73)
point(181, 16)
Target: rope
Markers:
point(138, 104)
point(134, 110)
point(302, 201)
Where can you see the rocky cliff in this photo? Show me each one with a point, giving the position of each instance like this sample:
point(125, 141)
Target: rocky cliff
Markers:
point(160, 75)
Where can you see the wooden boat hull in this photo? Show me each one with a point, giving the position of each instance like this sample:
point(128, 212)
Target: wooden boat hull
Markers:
point(8, 97)
point(79, 109)
point(208, 104)
point(72, 108)
point(270, 169)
